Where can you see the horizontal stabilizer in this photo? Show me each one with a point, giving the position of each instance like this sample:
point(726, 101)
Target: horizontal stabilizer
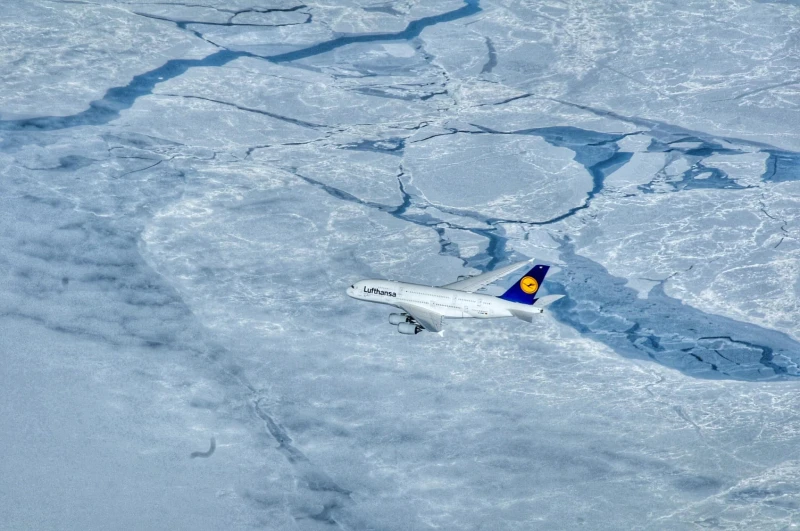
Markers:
point(547, 300)
point(524, 315)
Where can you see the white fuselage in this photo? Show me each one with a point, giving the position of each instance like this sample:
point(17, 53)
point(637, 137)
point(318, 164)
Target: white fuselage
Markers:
point(452, 304)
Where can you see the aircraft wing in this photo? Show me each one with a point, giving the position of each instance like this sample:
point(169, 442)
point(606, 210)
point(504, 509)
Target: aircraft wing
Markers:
point(477, 282)
point(430, 320)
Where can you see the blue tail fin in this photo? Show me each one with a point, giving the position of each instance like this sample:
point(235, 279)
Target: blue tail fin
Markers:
point(525, 289)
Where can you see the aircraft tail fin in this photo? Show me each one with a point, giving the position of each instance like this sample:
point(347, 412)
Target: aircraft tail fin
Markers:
point(525, 289)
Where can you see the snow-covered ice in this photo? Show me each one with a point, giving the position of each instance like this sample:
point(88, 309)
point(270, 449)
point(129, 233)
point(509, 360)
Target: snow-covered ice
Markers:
point(187, 188)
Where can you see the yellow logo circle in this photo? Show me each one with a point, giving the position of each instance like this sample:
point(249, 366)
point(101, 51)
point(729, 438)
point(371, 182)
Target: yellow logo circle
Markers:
point(529, 285)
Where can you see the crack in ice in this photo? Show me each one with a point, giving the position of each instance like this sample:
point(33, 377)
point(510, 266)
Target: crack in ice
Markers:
point(117, 99)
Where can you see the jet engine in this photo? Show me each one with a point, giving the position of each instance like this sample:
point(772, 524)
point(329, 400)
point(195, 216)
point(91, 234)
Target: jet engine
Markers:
point(409, 328)
point(397, 318)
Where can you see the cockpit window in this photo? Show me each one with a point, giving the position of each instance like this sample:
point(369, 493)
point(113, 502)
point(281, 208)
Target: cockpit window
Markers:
point(353, 286)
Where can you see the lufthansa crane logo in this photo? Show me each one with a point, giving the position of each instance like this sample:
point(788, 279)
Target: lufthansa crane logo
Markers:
point(529, 285)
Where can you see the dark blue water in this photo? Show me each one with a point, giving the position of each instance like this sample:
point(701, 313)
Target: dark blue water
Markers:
point(492, 61)
point(698, 175)
point(782, 165)
point(660, 328)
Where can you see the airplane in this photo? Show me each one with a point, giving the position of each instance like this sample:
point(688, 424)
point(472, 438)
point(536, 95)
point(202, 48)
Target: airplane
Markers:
point(425, 307)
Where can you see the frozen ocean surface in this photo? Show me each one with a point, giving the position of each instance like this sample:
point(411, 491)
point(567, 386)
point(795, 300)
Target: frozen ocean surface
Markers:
point(187, 188)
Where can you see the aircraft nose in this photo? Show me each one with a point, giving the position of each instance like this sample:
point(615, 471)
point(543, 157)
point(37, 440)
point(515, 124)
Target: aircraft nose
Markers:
point(351, 291)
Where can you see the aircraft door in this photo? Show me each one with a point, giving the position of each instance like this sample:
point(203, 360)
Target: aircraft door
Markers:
point(471, 306)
